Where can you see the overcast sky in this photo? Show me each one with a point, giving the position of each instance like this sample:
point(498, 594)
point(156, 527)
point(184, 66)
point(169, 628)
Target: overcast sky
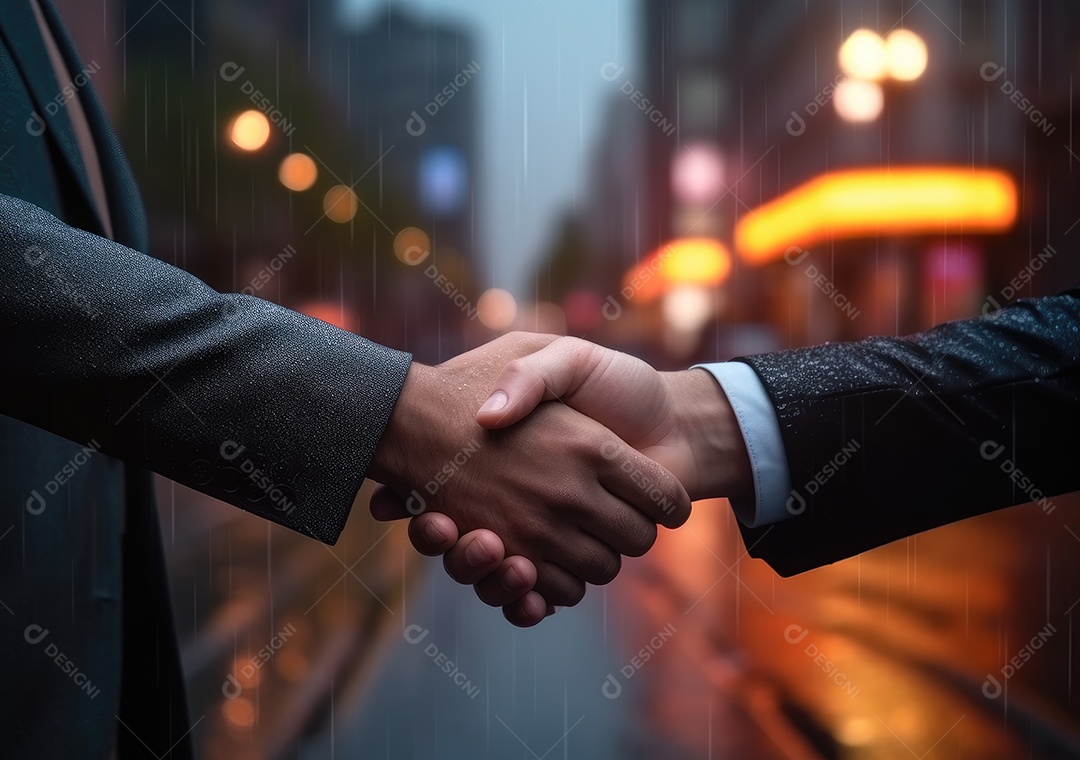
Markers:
point(541, 109)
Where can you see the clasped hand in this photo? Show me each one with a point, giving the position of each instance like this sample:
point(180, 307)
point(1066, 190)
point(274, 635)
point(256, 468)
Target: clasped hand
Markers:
point(535, 463)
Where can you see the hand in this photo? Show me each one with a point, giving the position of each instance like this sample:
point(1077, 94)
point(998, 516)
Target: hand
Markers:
point(680, 419)
point(560, 490)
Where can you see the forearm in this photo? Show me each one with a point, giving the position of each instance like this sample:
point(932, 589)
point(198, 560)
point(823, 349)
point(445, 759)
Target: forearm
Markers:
point(891, 436)
point(251, 403)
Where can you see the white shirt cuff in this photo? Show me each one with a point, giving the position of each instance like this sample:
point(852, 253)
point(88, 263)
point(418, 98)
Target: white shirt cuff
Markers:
point(760, 430)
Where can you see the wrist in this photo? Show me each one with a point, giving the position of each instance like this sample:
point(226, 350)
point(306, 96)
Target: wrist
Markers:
point(404, 439)
point(711, 432)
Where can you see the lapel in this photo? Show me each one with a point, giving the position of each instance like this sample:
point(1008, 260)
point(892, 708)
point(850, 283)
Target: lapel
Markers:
point(20, 31)
point(125, 204)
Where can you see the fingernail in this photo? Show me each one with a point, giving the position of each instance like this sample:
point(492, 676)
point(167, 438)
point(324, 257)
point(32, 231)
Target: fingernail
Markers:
point(513, 580)
point(434, 534)
point(477, 555)
point(495, 402)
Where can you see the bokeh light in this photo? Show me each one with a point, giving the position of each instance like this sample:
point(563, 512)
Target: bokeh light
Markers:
point(905, 55)
point(697, 173)
point(684, 261)
point(444, 180)
point(340, 204)
point(862, 55)
point(858, 101)
point(687, 307)
point(412, 246)
point(250, 130)
point(298, 172)
point(496, 309)
point(239, 712)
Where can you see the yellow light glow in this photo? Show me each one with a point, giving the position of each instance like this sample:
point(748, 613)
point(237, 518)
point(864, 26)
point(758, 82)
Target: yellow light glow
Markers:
point(870, 202)
point(685, 261)
point(496, 309)
point(858, 101)
point(905, 55)
point(250, 131)
point(862, 55)
point(340, 204)
point(298, 172)
point(412, 246)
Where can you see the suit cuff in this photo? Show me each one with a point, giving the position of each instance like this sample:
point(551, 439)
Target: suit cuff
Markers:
point(760, 430)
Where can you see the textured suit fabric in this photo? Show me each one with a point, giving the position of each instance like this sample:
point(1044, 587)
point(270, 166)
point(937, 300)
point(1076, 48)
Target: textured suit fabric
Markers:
point(114, 364)
point(891, 436)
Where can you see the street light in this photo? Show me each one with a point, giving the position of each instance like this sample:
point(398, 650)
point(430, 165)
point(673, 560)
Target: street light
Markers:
point(905, 55)
point(340, 204)
point(862, 55)
point(858, 101)
point(298, 172)
point(250, 130)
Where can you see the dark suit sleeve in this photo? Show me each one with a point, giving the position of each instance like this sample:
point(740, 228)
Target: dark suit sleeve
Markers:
point(888, 437)
point(251, 403)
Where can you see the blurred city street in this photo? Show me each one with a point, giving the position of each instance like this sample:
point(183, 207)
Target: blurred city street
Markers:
point(695, 651)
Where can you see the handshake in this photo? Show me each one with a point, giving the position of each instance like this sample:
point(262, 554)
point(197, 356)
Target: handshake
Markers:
point(528, 500)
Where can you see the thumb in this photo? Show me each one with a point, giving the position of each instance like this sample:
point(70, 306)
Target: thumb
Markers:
point(545, 375)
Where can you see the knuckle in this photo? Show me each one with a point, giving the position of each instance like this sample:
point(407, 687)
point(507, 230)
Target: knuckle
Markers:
point(644, 540)
point(608, 568)
point(573, 596)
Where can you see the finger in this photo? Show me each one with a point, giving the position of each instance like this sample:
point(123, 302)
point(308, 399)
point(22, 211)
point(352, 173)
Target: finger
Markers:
point(547, 374)
point(512, 581)
point(526, 611)
point(625, 530)
point(387, 505)
point(583, 556)
point(474, 557)
point(557, 586)
point(644, 484)
point(433, 533)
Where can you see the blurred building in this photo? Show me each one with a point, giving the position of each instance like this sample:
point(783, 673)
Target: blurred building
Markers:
point(414, 103)
point(762, 106)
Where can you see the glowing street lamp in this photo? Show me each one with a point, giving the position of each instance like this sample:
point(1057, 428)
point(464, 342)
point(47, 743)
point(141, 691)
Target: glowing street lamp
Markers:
point(250, 130)
point(298, 172)
point(858, 101)
point(862, 56)
point(905, 55)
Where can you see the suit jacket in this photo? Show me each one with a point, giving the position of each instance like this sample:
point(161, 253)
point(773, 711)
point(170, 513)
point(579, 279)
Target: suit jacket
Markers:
point(115, 364)
point(888, 437)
